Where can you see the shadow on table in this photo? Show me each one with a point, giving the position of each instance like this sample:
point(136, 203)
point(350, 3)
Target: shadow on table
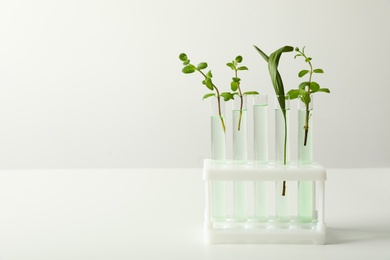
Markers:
point(358, 234)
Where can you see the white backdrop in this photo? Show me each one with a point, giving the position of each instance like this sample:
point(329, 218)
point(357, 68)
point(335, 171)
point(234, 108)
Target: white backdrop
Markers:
point(98, 83)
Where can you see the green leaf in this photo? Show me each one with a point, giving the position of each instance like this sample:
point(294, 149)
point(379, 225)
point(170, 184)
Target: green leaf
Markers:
point(236, 79)
point(303, 85)
point(209, 74)
point(302, 73)
point(251, 93)
point(227, 96)
point(318, 71)
point(308, 59)
point(239, 59)
point(209, 83)
point(297, 55)
point(208, 95)
point(242, 68)
point(305, 98)
point(231, 65)
point(183, 57)
point(294, 93)
point(202, 66)
point(276, 79)
point(324, 90)
point(314, 86)
point(265, 57)
point(189, 69)
point(186, 62)
point(234, 86)
point(273, 62)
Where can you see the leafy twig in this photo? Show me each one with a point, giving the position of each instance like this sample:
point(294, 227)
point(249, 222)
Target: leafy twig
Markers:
point(190, 68)
point(235, 85)
point(306, 88)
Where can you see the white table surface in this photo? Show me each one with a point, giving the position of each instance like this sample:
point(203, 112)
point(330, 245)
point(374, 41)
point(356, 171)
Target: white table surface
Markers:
point(158, 214)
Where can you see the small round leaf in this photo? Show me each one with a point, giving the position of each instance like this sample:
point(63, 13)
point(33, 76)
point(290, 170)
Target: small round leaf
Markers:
point(314, 86)
point(302, 73)
point(209, 83)
point(231, 65)
point(202, 66)
point(251, 93)
point(183, 57)
point(234, 86)
point(242, 68)
point(318, 71)
point(293, 94)
point(208, 95)
point(189, 69)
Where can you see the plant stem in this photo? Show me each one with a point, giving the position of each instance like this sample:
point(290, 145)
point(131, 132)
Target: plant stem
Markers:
point(219, 102)
point(219, 110)
point(285, 149)
point(306, 127)
point(241, 103)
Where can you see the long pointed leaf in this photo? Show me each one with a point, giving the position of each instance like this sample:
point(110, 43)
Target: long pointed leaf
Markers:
point(265, 57)
point(276, 79)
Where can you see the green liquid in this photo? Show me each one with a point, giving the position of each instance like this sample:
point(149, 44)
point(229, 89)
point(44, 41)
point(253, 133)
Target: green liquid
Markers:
point(305, 156)
point(261, 201)
point(282, 203)
point(240, 202)
point(219, 200)
point(280, 136)
point(305, 152)
point(305, 201)
point(240, 137)
point(240, 154)
point(218, 140)
point(218, 153)
point(260, 129)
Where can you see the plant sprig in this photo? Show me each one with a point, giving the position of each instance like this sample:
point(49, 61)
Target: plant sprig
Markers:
point(306, 88)
point(207, 81)
point(235, 85)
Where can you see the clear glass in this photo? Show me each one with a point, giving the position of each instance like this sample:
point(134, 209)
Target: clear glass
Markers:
point(240, 155)
point(282, 157)
point(261, 201)
point(218, 154)
point(240, 200)
point(282, 203)
point(305, 201)
point(260, 128)
point(260, 137)
point(305, 132)
point(240, 133)
point(282, 132)
point(219, 200)
point(305, 157)
point(218, 133)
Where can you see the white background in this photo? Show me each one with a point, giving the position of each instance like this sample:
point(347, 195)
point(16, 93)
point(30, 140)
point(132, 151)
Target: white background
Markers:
point(98, 84)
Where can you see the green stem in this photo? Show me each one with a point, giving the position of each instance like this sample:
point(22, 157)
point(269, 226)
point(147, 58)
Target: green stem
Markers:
point(219, 110)
point(241, 103)
point(306, 127)
point(285, 149)
point(219, 103)
point(239, 120)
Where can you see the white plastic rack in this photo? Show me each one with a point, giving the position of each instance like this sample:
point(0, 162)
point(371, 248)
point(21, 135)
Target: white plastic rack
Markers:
point(228, 230)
